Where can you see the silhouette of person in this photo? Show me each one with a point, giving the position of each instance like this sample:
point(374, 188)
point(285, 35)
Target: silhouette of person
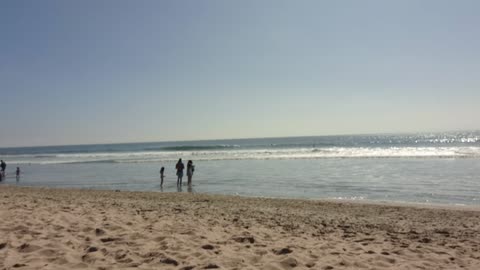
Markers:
point(190, 170)
point(179, 167)
point(162, 170)
point(3, 166)
point(17, 173)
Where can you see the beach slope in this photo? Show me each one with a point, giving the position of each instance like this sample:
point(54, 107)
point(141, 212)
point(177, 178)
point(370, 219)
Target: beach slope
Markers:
point(44, 228)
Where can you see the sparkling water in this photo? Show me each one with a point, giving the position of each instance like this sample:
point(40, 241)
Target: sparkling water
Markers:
point(421, 168)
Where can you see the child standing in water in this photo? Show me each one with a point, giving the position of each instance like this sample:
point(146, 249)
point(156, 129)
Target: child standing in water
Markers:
point(162, 170)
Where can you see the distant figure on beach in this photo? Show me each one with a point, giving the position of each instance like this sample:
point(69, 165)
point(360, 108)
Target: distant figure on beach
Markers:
point(17, 173)
point(162, 170)
point(3, 166)
point(190, 170)
point(179, 167)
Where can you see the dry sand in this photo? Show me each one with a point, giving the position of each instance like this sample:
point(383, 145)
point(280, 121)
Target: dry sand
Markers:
point(70, 229)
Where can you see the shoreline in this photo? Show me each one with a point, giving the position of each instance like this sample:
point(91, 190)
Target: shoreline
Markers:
point(466, 207)
point(53, 228)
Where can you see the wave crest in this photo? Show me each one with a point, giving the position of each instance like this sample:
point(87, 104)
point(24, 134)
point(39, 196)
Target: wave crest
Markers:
point(252, 154)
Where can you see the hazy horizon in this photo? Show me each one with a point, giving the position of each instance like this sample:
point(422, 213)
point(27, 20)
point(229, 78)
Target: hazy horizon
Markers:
point(101, 72)
point(445, 132)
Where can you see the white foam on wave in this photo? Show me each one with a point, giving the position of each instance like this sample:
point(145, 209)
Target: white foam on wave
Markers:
point(252, 154)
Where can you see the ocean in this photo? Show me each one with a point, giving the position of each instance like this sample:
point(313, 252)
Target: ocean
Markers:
point(430, 168)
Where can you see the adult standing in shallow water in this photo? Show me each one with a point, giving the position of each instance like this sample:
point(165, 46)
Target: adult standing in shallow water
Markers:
point(3, 165)
point(17, 173)
point(179, 167)
point(190, 170)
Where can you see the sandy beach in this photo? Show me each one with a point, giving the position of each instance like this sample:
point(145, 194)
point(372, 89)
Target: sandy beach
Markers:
point(44, 228)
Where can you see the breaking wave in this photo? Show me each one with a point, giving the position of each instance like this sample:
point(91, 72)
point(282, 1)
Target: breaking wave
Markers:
point(249, 154)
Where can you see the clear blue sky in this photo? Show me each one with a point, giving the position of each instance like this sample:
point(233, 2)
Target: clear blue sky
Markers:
point(74, 72)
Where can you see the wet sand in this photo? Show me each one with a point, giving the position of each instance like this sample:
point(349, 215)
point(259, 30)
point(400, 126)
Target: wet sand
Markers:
point(44, 228)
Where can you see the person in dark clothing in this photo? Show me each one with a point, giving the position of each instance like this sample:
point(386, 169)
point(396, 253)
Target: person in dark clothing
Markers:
point(190, 170)
point(3, 166)
point(179, 167)
point(162, 170)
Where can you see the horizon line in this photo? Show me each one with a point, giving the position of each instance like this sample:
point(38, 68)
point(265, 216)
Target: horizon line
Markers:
point(244, 138)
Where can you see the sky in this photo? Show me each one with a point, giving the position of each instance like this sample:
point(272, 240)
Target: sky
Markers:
point(110, 71)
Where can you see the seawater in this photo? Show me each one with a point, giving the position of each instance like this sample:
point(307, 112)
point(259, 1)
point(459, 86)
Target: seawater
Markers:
point(437, 168)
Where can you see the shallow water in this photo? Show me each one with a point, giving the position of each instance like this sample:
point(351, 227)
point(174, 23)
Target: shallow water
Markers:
point(445, 181)
point(435, 169)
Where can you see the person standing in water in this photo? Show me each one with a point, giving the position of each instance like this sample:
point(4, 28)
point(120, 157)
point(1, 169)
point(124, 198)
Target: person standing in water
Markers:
point(162, 170)
point(179, 167)
point(190, 170)
point(17, 173)
point(3, 165)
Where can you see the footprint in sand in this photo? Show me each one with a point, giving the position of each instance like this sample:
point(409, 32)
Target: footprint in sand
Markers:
point(136, 236)
point(282, 251)
point(48, 252)
point(99, 232)
point(87, 229)
point(211, 266)
point(208, 247)
point(261, 252)
point(197, 254)
point(159, 238)
point(109, 239)
point(289, 262)
point(27, 248)
point(58, 260)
